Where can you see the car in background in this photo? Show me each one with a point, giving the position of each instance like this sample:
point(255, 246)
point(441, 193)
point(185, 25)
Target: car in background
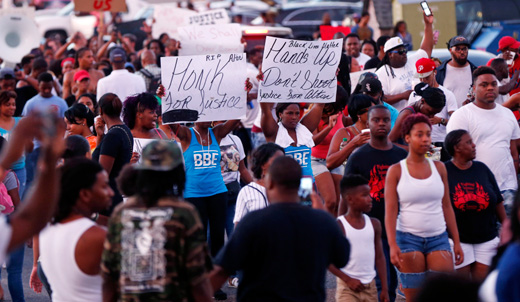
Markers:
point(477, 57)
point(305, 17)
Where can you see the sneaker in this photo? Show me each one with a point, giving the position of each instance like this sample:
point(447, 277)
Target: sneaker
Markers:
point(233, 282)
point(219, 295)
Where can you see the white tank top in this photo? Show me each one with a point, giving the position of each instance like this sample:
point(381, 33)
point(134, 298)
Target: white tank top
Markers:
point(68, 282)
point(420, 203)
point(362, 251)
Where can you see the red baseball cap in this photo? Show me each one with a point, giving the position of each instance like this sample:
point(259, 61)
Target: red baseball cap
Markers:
point(424, 67)
point(508, 42)
point(67, 60)
point(80, 75)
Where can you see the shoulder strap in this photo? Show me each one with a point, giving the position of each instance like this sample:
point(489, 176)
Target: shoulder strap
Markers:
point(263, 196)
point(158, 133)
point(126, 133)
point(146, 73)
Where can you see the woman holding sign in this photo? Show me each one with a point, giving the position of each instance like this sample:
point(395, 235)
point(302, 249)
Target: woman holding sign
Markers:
point(291, 133)
point(205, 187)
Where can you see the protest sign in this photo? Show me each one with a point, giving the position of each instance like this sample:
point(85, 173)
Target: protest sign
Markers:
point(199, 40)
point(299, 71)
point(139, 144)
point(203, 88)
point(114, 6)
point(168, 17)
point(210, 17)
point(327, 32)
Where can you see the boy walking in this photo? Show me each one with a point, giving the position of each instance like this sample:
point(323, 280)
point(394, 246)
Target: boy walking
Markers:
point(356, 281)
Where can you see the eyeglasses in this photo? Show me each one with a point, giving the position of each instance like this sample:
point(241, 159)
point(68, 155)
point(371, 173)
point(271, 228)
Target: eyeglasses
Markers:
point(400, 51)
point(460, 49)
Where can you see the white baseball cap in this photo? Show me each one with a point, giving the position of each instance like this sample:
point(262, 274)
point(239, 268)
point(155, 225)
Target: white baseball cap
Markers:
point(393, 43)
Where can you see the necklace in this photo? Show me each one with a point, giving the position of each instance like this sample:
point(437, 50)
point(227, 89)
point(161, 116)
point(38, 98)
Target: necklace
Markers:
point(355, 127)
point(201, 140)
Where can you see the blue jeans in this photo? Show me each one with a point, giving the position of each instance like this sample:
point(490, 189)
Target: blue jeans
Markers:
point(21, 174)
point(31, 161)
point(411, 243)
point(391, 275)
point(14, 274)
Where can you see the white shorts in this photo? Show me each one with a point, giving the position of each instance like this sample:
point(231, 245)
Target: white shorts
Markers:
point(481, 252)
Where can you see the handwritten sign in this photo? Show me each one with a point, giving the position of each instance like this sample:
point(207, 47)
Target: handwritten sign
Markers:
point(327, 32)
point(139, 144)
point(199, 40)
point(168, 18)
point(299, 71)
point(100, 5)
point(203, 88)
point(211, 17)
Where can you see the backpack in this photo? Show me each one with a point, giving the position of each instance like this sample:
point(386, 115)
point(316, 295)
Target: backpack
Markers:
point(154, 80)
point(6, 203)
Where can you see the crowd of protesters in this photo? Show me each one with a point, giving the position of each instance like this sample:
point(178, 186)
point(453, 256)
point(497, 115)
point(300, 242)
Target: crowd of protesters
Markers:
point(414, 173)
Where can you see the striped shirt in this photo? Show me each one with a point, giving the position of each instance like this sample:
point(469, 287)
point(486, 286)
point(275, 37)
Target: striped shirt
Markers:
point(250, 198)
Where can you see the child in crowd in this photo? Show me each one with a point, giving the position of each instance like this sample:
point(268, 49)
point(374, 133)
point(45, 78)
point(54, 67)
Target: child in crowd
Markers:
point(356, 281)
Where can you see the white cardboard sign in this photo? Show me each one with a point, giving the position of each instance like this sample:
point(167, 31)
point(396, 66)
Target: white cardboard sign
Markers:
point(167, 19)
point(299, 71)
point(210, 17)
point(139, 144)
point(203, 88)
point(199, 40)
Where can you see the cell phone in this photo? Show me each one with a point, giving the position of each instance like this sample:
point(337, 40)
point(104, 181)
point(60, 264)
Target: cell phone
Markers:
point(305, 191)
point(426, 8)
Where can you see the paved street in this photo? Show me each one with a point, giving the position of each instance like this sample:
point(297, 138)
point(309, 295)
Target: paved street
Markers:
point(31, 296)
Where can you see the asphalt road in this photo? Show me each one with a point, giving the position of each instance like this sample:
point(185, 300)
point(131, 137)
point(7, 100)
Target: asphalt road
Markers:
point(31, 296)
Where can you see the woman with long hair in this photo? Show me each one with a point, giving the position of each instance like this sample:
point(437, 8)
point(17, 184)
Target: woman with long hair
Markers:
point(140, 113)
point(79, 120)
point(417, 189)
point(477, 203)
point(348, 139)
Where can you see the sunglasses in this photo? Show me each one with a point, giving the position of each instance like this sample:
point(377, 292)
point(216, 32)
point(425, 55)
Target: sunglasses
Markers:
point(400, 51)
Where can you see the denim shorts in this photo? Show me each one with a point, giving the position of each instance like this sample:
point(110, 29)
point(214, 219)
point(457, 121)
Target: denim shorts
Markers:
point(411, 243)
point(319, 165)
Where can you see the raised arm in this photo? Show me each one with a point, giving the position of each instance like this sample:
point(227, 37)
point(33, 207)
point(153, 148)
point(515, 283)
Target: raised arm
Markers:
point(336, 157)
point(427, 42)
point(222, 130)
point(395, 134)
point(319, 136)
point(267, 122)
point(41, 201)
point(311, 120)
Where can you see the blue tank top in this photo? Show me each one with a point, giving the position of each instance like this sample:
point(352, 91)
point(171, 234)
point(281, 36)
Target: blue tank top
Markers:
point(20, 163)
point(302, 154)
point(203, 175)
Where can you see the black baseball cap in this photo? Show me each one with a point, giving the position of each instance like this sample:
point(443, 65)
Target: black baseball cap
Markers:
point(458, 40)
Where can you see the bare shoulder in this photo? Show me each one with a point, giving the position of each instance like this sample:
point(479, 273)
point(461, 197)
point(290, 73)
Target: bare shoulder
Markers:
point(94, 234)
point(440, 167)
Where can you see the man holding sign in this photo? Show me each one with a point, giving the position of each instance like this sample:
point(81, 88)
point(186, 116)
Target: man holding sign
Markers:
point(297, 71)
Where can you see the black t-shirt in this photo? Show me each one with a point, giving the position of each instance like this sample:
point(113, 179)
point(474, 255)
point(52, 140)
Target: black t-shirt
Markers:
point(373, 164)
point(372, 63)
point(119, 144)
point(474, 194)
point(23, 94)
point(284, 251)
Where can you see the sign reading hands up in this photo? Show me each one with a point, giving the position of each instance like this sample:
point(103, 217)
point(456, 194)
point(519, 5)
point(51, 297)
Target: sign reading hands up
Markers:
point(203, 88)
point(300, 71)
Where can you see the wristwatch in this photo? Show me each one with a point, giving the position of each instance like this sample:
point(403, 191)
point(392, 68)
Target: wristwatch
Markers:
point(443, 122)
